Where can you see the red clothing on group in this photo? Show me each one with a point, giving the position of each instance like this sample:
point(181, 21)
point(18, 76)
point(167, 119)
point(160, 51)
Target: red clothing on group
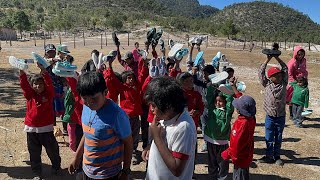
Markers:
point(241, 142)
point(194, 102)
point(39, 106)
point(78, 103)
point(130, 96)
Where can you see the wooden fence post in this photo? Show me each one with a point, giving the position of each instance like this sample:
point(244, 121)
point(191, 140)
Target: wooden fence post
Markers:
point(101, 41)
point(74, 40)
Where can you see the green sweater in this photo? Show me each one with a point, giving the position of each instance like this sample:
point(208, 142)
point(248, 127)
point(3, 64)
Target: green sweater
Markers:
point(69, 106)
point(218, 125)
point(300, 95)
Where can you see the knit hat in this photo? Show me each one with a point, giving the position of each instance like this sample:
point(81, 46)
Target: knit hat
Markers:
point(273, 70)
point(246, 105)
point(49, 47)
point(63, 48)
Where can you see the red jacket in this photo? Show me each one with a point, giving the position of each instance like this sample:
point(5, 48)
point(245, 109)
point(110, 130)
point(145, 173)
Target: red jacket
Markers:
point(241, 142)
point(78, 104)
point(194, 101)
point(39, 106)
point(130, 97)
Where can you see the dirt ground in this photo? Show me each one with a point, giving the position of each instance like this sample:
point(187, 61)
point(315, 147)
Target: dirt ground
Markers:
point(300, 148)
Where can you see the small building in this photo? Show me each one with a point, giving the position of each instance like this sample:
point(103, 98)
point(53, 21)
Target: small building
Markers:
point(7, 34)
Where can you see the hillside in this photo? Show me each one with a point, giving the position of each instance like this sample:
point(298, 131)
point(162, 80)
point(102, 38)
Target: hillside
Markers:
point(262, 21)
point(265, 19)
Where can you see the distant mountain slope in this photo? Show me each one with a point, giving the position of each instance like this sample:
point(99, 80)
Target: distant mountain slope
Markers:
point(267, 18)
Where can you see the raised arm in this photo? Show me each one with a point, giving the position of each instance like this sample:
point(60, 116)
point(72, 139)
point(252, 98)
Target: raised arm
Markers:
point(262, 72)
point(28, 92)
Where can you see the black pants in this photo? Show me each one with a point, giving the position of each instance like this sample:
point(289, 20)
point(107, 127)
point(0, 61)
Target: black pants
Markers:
point(144, 125)
point(35, 142)
point(240, 173)
point(79, 134)
point(217, 166)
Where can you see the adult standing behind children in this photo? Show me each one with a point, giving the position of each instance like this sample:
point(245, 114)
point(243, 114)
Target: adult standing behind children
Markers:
point(171, 154)
point(106, 146)
point(297, 66)
point(275, 106)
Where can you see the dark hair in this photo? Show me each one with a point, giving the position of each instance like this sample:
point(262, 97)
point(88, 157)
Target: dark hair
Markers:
point(91, 83)
point(209, 69)
point(165, 93)
point(305, 80)
point(96, 52)
point(118, 75)
point(169, 64)
point(221, 95)
point(229, 70)
point(71, 59)
point(34, 78)
point(182, 77)
point(136, 43)
point(125, 74)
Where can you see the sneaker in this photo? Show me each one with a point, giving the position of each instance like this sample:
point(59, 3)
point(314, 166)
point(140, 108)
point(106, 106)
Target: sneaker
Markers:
point(115, 39)
point(37, 177)
point(218, 77)
point(198, 60)
point(156, 37)
point(279, 162)
point(18, 63)
point(182, 52)
point(193, 40)
point(111, 56)
point(174, 49)
point(226, 89)
point(171, 43)
point(40, 60)
point(62, 73)
point(266, 159)
point(272, 52)
point(150, 35)
point(65, 66)
point(153, 69)
point(161, 43)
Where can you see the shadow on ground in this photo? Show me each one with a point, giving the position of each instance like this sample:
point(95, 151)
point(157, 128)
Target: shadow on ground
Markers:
point(24, 172)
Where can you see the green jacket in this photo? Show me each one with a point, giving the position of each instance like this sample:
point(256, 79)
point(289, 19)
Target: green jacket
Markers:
point(69, 106)
point(300, 95)
point(218, 125)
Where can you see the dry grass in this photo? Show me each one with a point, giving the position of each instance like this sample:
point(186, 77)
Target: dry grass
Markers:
point(300, 146)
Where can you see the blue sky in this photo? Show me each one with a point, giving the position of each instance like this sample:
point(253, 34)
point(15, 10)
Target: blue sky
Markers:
point(309, 7)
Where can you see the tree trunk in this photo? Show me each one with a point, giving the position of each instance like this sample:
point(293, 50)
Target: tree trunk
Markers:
point(309, 46)
point(20, 34)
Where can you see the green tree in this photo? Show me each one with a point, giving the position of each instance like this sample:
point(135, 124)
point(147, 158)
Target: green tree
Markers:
point(21, 21)
point(116, 23)
point(229, 28)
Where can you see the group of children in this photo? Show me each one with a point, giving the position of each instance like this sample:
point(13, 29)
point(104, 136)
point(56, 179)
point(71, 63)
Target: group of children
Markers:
point(105, 111)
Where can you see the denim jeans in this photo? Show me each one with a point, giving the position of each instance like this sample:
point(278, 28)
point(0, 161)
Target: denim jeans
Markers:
point(273, 129)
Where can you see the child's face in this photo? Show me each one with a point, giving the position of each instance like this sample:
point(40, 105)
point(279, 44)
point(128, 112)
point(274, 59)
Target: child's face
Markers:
point(277, 78)
point(188, 83)
point(300, 82)
point(136, 45)
point(159, 114)
point(170, 67)
point(51, 54)
point(220, 102)
point(38, 86)
point(96, 101)
point(300, 55)
point(62, 55)
point(130, 80)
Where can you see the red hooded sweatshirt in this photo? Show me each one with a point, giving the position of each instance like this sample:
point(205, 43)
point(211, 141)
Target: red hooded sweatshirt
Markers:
point(39, 106)
point(241, 142)
point(78, 104)
point(295, 67)
point(194, 101)
point(130, 96)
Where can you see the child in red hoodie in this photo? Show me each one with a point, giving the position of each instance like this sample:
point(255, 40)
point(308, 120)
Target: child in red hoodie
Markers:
point(39, 120)
point(241, 137)
point(130, 99)
point(194, 99)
